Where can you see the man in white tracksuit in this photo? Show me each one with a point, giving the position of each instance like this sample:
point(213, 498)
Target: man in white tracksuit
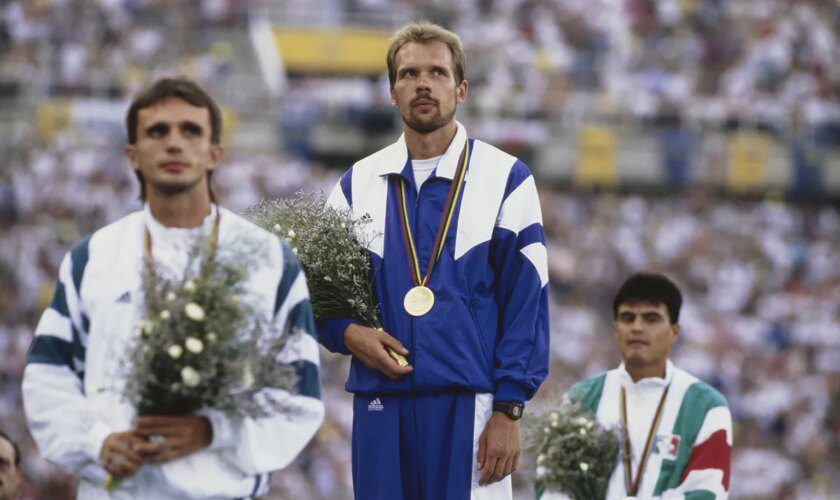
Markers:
point(678, 442)
point(75, 371)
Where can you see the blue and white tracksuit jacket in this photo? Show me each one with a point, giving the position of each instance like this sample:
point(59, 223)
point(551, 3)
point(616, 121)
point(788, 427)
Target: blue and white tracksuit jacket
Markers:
point(75, 370)
point(488, 332)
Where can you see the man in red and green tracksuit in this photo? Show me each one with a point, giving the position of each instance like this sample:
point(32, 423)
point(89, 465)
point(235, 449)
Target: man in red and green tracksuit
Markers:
point(676, 430)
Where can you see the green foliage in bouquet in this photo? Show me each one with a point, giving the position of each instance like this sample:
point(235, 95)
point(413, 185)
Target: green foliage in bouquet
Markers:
point(332, 247)
point(202, 345)
point(575, 454)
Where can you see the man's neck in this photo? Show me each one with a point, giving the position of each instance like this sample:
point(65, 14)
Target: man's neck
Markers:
point(425, 146)
point(639, 372)
point(181, 210)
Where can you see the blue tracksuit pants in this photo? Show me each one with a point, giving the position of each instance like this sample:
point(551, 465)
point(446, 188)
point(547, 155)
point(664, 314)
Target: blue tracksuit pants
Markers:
point(413, 446)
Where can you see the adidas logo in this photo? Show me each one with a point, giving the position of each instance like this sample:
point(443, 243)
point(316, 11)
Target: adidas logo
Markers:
point(376, 405)
point(125, 298)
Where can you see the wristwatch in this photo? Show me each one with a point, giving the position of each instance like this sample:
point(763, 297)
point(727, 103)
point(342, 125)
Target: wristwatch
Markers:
point(512, 409)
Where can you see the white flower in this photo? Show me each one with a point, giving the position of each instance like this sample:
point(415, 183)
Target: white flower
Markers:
point(247, 376)
point(175, 351)
point(194, 311)
point(165, 315)
point(170, 296)
point(581, 420)
point(211, 337)
point(540, 458)
point(190, 376)
point(194, 345)
point(294, 250)
point(277, 228)
point(582, 431)
point(138, 332)
point(541, 471)
point(148, 326)
point(327, 279)
point(584, 466)
point(291, 234)
point(189, 286)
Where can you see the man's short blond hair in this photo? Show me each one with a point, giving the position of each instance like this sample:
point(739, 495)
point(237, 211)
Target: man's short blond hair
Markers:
point(426, 32)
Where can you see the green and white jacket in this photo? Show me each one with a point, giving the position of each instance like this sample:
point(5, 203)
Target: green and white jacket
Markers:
point(691, 454)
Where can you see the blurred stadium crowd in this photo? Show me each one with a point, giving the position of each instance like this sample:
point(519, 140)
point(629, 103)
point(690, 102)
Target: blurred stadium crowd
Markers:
point(761, 275)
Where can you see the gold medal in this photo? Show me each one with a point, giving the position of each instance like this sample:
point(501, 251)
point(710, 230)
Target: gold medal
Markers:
point(419, 300)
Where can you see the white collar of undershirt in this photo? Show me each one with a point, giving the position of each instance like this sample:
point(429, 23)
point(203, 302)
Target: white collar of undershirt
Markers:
point(426, 164)
point(627, 380)
point(165, 233)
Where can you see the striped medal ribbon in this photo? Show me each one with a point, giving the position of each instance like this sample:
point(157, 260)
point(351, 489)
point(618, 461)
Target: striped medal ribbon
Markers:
point(420, 299)
point(631, 485)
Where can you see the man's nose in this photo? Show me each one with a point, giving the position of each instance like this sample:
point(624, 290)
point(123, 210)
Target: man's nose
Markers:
point(174, 143)
point(423, 82)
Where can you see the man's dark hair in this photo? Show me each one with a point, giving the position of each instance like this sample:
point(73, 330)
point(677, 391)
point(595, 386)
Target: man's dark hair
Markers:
point(652, 288)
point(169, 88)
point(15, 447)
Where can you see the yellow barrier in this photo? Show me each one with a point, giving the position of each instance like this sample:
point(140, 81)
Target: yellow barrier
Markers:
point(52, 116)
point(748, 154)
point(596, 157)
point(341, 51)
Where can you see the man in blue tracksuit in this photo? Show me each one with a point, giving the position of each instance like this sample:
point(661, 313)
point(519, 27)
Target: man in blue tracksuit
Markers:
point(460, 271)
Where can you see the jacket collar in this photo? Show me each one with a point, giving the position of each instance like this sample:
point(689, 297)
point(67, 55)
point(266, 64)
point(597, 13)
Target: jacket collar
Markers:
point(395, 157)
point(627, 380)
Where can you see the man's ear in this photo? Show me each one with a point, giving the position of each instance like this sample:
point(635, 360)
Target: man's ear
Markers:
point(216, 153)
point(393, 97)
point(131, 156)
point(461, 91)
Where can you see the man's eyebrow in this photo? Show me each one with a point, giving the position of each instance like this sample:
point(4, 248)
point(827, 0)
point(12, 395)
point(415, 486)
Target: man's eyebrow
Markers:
point(157, 126)
point(191, 125)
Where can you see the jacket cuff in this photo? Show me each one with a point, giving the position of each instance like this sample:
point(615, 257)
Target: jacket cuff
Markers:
point(224, 434)
point(509, 392)
point(331, 335)
point(99, 432)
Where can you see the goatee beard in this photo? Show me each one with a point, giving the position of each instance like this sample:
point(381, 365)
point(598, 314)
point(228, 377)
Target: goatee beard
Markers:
point(427, 127)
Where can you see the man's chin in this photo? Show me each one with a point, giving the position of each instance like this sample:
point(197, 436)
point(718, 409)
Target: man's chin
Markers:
point(427, 125)
point(172, 188)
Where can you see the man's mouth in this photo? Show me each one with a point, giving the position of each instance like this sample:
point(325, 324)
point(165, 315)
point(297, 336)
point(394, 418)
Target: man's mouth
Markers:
point(173, 166)
point(423, 103)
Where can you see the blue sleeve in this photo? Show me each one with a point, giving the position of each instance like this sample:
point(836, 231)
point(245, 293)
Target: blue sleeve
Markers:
point(518, 255)
point(331, 335)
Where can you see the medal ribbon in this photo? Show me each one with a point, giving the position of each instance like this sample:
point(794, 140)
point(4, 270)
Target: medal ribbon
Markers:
point(633, 486)
point(212, 243)
point(443, 226)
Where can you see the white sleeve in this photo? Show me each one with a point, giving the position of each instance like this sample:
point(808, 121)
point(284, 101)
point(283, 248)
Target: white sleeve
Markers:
point(64, 426)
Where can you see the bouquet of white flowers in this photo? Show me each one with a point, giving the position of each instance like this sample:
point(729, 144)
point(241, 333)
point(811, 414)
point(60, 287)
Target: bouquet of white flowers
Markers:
point(202, 345)
point(575, 455)
point(333, 250)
